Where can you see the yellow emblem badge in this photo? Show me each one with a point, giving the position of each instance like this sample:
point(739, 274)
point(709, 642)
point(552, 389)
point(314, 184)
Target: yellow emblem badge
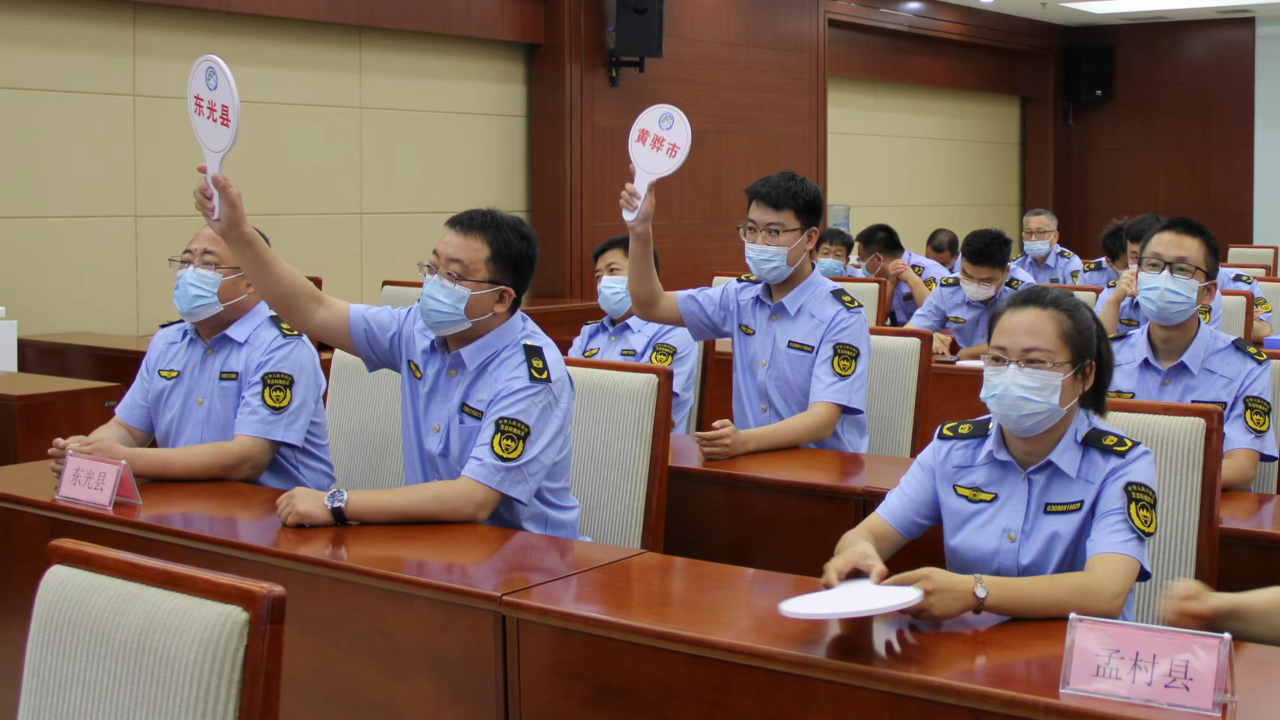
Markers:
point(277, 391)
point(417, 371)
point(1142, 508)
point(844, 359)
point(509, 436)
point(662, 354)
point(591, 353)
point(974, 494)
point(1257, 414)
point(169, 374)
point(1204, 312)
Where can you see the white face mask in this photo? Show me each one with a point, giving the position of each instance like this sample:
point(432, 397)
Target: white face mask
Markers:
point(978, 292)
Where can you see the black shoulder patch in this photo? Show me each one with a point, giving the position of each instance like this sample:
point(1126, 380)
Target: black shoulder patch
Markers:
point(961, 429)
point(171, 322)
point(1248, 349)
point(1065, 253)
point(592, 322)
point(1109, 441)
point(1092, 265)
point(284, 327)
point(748, 278)
point(845, 299)
point(917, 269)
point(1111, 284)
point(1013, 283)
point(1141, 507)
point(1242, 278)
point(537, 362)
point(949, 281)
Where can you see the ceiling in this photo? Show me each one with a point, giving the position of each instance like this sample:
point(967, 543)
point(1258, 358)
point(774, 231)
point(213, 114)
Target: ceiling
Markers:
point(1049, 11)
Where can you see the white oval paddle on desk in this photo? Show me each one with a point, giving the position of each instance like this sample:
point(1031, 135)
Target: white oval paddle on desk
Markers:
point(851, 599)
point(213, 104)
point(658, 144)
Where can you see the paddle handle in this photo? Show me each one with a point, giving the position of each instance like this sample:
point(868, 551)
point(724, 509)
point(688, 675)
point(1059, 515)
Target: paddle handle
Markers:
point(213, 166)
point(641, 182)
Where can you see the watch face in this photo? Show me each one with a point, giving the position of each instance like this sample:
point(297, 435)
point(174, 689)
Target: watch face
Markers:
point(335, 497)
point(980, 592)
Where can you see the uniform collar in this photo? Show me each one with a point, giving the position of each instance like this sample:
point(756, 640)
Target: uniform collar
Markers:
point(240, 330)
point(633, 323)
point(1192, 358)
point(796, 298)
point(1066, 454)
point(496, 339)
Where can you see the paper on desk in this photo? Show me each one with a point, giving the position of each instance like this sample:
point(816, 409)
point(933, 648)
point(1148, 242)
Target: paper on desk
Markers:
point(850, 599)
point(969, 363)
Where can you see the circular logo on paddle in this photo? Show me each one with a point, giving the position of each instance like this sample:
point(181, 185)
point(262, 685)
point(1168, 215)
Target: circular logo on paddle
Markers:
point(666, 121)
point(211, 77)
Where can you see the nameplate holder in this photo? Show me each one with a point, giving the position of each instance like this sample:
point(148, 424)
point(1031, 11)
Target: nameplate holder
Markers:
point(1148, 665)
point(97, 481)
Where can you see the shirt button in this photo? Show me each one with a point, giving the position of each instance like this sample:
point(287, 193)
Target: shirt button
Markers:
point(453, 373)
point(1166, 381)
point(199, 401)
point(209, 351)
point(763, 363)
point(613, 339)
point(1012, 537)
point(435, 428)
point(773, 318)
point(764, 408)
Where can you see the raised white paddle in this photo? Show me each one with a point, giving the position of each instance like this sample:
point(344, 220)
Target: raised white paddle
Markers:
point(213, 104)
point(658, 144)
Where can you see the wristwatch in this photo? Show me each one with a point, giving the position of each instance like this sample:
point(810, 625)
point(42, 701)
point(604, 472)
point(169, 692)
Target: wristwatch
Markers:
point(336, 501)
point(980, 592)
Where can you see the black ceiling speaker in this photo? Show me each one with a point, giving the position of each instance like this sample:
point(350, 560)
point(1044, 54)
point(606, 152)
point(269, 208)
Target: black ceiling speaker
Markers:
point(637, 30)
point(1088, 75)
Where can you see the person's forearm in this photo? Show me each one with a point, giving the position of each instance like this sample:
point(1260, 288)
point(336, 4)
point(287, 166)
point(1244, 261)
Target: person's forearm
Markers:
point(1253, 616)
point(642, 277)
point(440, 501)
point(1110, 315)
point(811, 426)
point(286, 290)
point(115, 431)
point(919, 291)
point(973, 352)
point(210, 461)
point(1238, 471)
point(1054, 596)
point(1261, 330)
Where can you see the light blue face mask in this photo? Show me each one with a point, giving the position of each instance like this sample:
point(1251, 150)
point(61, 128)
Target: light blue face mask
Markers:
point(1165, 299)
point(1022, 401)
point(443, 308)
point(1037, 248)
point(831, 267)
point(195, 293)
point(769, 262)
point(613, 296)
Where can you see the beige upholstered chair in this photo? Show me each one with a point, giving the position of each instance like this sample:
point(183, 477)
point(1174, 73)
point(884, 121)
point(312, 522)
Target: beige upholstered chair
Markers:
point(618, 470)
point(1187, 442)
point(1253, 255)
point(363, 411)
point(1237, 313)
point(399, 293)
point(869, 292)
point(1270, 287)
point(1265, 480)
point(899, 361)
point(692, 425)
point(117, 636)
point(1087, 294)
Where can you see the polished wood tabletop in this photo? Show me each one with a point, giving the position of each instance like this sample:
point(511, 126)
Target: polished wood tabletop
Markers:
point(127, 344)
point(24, 387)
point(34, 409)
point(1249, 541)
point(667, 619)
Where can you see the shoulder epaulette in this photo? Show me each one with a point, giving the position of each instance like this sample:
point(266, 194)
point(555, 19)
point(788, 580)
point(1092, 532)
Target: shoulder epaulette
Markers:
point(1020, 256)
point(537, 363)
point(846, 299)
point(1013, 283)
point(917, 269)
point(1262, 304)
point(171, 322)
point(748, 278)
point(949, 281)
point(284, 327)
point(1092, 265)
point(1242, 278)
point(592, 322)
point(1248, 349)
point(1119, 336)
point(961, 429)
point(1109, 441)
point(1065, 253)
point(1111, 284)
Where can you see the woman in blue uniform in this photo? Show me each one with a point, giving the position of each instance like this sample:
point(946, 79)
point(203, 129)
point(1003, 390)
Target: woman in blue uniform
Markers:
point(1045, 510)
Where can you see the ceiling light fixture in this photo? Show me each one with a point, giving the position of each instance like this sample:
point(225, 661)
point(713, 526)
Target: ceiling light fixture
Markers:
point(1106, 7)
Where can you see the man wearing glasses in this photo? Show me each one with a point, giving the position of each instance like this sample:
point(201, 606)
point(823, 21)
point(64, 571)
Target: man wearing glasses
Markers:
point(963, 302)
point(1043, 259)
point(800, 342)
point(1177, 358)
point(486, 401)
point(230, 392)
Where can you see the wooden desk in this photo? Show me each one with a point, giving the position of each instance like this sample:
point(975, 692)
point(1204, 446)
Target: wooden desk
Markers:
point(953, 395)
point(35, 409)
point(562, 319)
point(1249, 541)
point(657, 636)
point(383, 621)
point(781, 510)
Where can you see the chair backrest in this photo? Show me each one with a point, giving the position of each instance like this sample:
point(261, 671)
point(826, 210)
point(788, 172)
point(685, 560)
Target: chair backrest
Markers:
point(1253, 255)
point(1254, 270)
point(1270, 287)
point(873, 293)
point(1237, 313)
point(896, 388)
point(699, 371)
point(317, 281)
point(1265, 479)
point(364, 425)
point(1187, 442)
point(1087, 294)
point(618, 469)
point(400, 293)
point(119, 636)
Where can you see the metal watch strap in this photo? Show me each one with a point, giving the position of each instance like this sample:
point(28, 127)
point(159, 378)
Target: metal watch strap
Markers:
point(979, 592)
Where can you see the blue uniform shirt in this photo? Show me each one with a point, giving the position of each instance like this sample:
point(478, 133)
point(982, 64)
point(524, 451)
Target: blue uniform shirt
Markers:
point(1132, 317)
point(949, 307)
point(812, 346)
point(904, 305)
point(637, 340)
point(997, 521)
point(258, 378)
point(1217, 369)
point(1061, 267)
point(1097, 272)
point(1230, 279)
point(497, 411)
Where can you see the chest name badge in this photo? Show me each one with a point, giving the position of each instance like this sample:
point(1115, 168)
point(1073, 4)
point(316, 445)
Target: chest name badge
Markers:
point(229, 376)
point(277, 391)
point(800, 346)
point(169, 374)
point(1063, 508)
point(1220, 405)
point(1141, 508)
point(468, 410)
point(628, 353)
point(662, 354)
point(509, 436)
point(975, 494)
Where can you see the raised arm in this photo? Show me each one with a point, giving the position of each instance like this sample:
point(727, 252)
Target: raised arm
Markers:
point(648, 299)
point(287, 291)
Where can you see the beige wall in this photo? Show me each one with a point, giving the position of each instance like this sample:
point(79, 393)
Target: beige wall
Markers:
point(923, 158)
point(355, 146)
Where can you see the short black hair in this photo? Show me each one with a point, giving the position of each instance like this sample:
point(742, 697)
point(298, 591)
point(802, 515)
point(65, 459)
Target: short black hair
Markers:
point(989, 248)
point(513, 246)
point(619, 242)
point(880, 238)
point(943, 240)
point(835, 236)
point(1137, 229)
point(789, 191)
point(1081, 332)
point(1190, 228)
point(1114, 245)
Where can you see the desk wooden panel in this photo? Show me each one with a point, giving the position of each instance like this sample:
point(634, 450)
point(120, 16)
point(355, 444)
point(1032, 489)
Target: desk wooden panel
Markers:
point(562, 319)
point(35, 409)
point(781, 510)
point(383, 621)
point(953, 395)
point(717, 389)
point(1249, 541)
point(657, 636)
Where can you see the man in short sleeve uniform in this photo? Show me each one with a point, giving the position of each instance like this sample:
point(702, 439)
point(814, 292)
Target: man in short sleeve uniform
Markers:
point(950, 309)
point(1061, 267)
